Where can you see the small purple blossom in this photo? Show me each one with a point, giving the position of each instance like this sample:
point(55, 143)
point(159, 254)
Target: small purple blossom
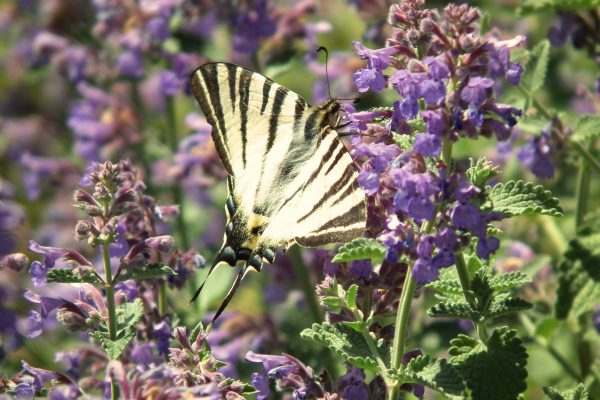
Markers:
point(474, 92)
point(170, 83)
point(130, 64)
point(39, 274)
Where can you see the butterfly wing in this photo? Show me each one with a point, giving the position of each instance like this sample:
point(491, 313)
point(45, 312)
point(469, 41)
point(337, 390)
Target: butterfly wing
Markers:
point(291, 178)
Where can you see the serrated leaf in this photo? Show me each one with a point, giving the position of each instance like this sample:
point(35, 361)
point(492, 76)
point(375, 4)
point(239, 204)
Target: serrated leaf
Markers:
point(579, 393)
point(453, 309)
point(522, 198)
point(351, 296)
point(361, 249)
point(63, 275)
point(113, 348)
point(494, 370)
point(537, 65)
point(346, 342)
point(448, 287)
point(587, 128)
point(436, 374)
point(508, 305)
point(508, 281)
point(128, 314)
point(149, 271)
point(579, 276)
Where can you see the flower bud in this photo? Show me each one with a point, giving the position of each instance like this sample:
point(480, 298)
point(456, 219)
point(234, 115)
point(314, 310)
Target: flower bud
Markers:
point(72, 321)
point(81, 196)
point(101, 192)
point(15, 261)
point(82, 229)
point(93, 211)
point(163, 244)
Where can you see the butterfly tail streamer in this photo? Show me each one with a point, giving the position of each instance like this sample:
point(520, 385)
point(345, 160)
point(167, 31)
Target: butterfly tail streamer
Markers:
point(217, 260)
point(236, 283)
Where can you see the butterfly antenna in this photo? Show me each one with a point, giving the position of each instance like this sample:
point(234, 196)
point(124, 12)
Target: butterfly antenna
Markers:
point(229, 296)
point(323, 49)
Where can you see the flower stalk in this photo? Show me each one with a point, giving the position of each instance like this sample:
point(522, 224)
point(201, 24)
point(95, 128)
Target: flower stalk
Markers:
point(112, 310)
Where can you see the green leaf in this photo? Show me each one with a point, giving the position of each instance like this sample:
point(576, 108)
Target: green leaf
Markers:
point(494, 370)
point(579, 393)
point(537, 65)
point(579, 276)
point(346, 342)
point(453, 309)
point(522, 198)
point(361, 249)
point(436, 374)
point(563, 5)
point(128, 315)
point(447, 287)
point(351, 296)
point(149, 271)
point(508, 281)
point(507, 305)
point(113, 348)
point(481, 171)
point(63, 275)
point(587, 128)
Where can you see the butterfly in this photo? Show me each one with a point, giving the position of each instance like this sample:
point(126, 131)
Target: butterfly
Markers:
point(291, 179)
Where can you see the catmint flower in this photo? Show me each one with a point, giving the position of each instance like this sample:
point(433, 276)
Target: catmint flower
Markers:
point(170, 83)
point(51, 254)
point(39, 274)
point(162, 333)
point(162, 244)
point(254, 23)
point(474, 92)
point(34, 325)
point(537, 155)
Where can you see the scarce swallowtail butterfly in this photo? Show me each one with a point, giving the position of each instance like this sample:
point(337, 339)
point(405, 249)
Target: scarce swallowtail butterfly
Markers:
point(291, 179)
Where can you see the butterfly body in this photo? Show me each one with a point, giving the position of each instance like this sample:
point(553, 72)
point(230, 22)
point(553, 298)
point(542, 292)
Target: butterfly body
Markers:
point(291, 179)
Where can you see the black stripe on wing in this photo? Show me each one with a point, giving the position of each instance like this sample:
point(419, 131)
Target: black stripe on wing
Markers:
point(244, 92)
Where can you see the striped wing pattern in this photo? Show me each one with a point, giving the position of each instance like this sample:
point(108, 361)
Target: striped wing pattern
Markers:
point(291, 178)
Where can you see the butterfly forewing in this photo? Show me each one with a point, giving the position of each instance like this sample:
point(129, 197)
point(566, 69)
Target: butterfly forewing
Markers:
point(291, 177)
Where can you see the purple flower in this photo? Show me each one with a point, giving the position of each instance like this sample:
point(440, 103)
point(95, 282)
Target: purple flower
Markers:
point(437, 69)
point(406, 109)
point(436, 122)
point(162, 244)
point(487, 246)
point(170, 83)
point(254, 23)
point(369, 181)
point(130, 64)
point(34, 325)
point(378, 59)
point(162, 333)
point(424, 272)
point(158, 28)
point(428, 144)
point(475, 92)
point(433, 91)
point(537, 156)
point(420, 208)
point(367, 79)
point(24, 391)
point(513, 73)
point(39, 274)
point(465, 216)
point(261, 384)
point(361, 268)
point(51, 254)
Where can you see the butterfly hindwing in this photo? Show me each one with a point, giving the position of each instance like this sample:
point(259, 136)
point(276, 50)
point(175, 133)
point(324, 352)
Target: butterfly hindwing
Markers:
point(291, 178)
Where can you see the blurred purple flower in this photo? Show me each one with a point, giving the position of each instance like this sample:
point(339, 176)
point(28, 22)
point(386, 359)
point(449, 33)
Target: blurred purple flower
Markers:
point(474, 92)
point(131, 64)
point(34, 325)
point(254, 23)
point(162, 334)
point(51, 254)
point(537, 155)
point(39, 274)
point(170, 83)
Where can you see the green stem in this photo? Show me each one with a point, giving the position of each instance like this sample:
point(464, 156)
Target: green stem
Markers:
point(112, 310)
point(401, 328)
point(558, 240)
point(463, 272)
point(582, 193)
point(303, 276)
point(447, 152)
point(543, 343)
point(586, 155)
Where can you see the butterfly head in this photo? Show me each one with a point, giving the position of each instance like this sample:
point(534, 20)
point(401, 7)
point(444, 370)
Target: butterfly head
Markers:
point(330, 112)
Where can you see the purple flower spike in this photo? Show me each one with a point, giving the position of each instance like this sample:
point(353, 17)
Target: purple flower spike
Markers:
point(39, 274)
point(475, 91)
point(51, 254)
point(437, 69)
